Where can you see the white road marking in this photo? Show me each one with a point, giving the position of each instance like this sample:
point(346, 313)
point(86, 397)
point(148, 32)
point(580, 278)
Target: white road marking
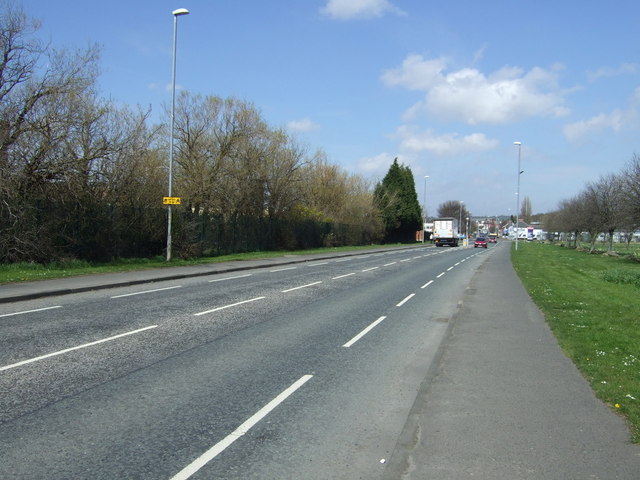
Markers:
point(427, 284)
point(67, 350)
point(317, 264)
point(449, 269)
point(343, 260)
point(342, 276)
point(369, 269)
point(30, 311)
point(409, 297)
point(230, 278)
point(146, 291)
point(389, 264)
point(441, 275)
point(301, 286)
point(405, 260)
point(282, 269)
point(219, 447)
point(363, 333)
point(228, 306)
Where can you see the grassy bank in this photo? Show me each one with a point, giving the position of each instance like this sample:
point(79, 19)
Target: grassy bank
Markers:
point(25, 272)
point(592, 304)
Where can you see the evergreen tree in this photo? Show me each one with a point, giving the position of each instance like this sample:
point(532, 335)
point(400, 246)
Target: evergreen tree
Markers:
point(397, 199)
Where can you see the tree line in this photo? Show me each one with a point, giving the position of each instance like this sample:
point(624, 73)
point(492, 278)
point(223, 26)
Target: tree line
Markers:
point(81, 177)
point(607, 206)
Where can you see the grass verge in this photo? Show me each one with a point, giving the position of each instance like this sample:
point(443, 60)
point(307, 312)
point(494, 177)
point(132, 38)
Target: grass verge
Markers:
point(592, 304)
point(26, 272)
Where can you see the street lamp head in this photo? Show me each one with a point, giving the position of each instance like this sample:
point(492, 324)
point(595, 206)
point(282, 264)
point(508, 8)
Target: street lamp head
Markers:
point(517, 143)
point(180, 11)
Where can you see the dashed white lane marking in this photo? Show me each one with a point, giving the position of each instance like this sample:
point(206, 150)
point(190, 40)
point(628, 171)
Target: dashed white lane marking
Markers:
point(443, 273)
point(228, 306)
point(363, 332)
point(30, 311)
point(219, 447)
point(342, 276)
point(146, 291)
point(230, 278)
point(427, 284)
point(407, 298)
point(301, 286)
point(67, 350)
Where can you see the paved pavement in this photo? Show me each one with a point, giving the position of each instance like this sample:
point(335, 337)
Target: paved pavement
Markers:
point(504, 402)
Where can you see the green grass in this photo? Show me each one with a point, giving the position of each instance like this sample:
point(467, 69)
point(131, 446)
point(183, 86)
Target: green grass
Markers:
point(592, 304)
point(25, 272)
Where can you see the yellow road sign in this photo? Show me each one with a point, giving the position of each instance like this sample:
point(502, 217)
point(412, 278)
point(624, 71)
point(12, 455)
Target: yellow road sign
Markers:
point(171, 200)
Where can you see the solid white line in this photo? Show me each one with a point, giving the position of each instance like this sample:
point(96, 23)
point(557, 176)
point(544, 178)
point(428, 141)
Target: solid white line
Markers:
point(146, 291)
point(440, 275)
point(67, 350)
point(342, 276)
point(30, 311)
point(282, 269)
point(228, 306)
point(389, 264)
point(302, 286)
point(405, 300)
point(219, 447)
point(230, 278)
point(427, 284)
point(369, 269)
point(363, 333)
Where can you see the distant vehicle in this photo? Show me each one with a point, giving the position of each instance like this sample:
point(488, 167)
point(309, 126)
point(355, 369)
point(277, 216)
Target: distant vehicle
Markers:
point(493, 238)
point(445, 232)
point(480, 242)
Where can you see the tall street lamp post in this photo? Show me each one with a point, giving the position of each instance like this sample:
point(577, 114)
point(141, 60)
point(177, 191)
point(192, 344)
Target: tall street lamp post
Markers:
point(176, 14)
point(519, 145)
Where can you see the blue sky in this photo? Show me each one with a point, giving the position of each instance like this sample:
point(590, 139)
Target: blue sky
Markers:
point(446, 87)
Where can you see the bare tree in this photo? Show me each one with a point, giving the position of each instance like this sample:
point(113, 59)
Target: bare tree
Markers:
point(455, 209)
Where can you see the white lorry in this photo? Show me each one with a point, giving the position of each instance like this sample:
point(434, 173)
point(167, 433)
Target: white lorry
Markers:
point(445, 232)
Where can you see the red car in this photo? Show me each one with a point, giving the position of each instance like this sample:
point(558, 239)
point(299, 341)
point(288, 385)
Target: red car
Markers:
point(480, 242)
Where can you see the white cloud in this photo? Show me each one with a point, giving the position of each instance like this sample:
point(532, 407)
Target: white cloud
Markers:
point(416, 73)
point(575, 132)
point(468, 95)
point(616, 121)
point(304, 125)
point(377, 164)
point(448, 144)
point(356, 9)
point(604, 72)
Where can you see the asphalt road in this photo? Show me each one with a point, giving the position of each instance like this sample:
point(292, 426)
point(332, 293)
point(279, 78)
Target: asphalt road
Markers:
point(293, 371)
